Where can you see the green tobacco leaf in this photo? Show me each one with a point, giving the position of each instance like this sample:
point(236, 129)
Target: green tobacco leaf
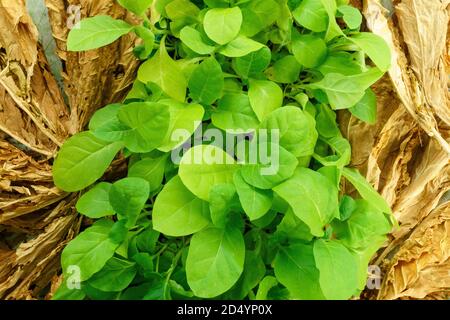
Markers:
point(366, 108)
point(165, 73)
point(207, 82)
point(262, 176)
point(309, 50)
point(264, 287)
point(340, 62)
point(184, 120)
point(137, 7)
point(128, 197)
point(90, 250)
point(296, 130)
point(82, 160)
point(181, 9)
point(194, 41)
point(312, 197)
point(365, 224)
point(240, 47)
point(204, 166)
point(105, 124)
point(177, 212)
point(115, 276)
point(294, 228)
point(285, 70)
point(252, 63)
point(149, 40)
point(265, 97)
point(255, 202)
point(296, 269)
point(96, 32)
point(223, 25)
point(352, 16)
point(342, 91)
point(234, 113)
point(366, 190)
point(333, 29)
point(375, 47)
point(257, 15)
point(312, 15)
point(148, 123)
point(221, 199)
point(215, 261)
point(95, 203)
point(338, 269)
point(150, 169)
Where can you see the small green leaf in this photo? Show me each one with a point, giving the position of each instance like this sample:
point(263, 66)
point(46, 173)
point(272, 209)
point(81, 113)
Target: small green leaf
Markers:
point(223, 24)
point(252, 63)
point(312, 15)
point(265, 97)
point(366, 190)
point(194, 41)
point(96, 32)
point(82, 160)
point(95, 203)
point(138, 7)
point(241, 46)
point(375, 47)
point(285, 70)
point(128, 197)
point(177, 212)
point(181, 9)
point(215, 261)
point(207, 82)
point(115, 276)
point(257, 15)
point(90, 250)
point(221, 199)
point(255, 202)
point(366, 108)
point(234, 113)
point(352, 16)
point(105, 124)
point(204, 166)
point(338, 269)
point(309, 50)
point(296, 269)
point(164, 72)
point(150, 169)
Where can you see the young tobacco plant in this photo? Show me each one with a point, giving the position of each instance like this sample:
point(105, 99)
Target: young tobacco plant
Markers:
point(218, 227)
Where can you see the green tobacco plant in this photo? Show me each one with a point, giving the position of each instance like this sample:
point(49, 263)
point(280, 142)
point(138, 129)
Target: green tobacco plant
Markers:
point(199, 216)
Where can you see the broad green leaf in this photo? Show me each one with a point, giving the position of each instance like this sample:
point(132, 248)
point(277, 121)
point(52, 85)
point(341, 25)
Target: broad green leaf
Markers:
point(90, 250)
point(164, 72)
point(375, 47)
point(366, 108)
point(352, 16)
point(367, 78)
point(296, 269)
point(181, 9)
point(340, 62)
point(296, 130)
point(255, 202)
point(207, 82)
point(333, 29)
point(149, 169)
point(95, 203)
point(215, 261)
point(257, 15)
point(234, 113)
point(285, 70)
point(294, 228)
point(365, 224)
point(309, 50)
point(366, 191)
point(223, 24)
point(241, 46)
point(194, 41)
point(264, 287)
point(184, 120)
point(115, 276)
point(204, 166)
point(312, 197)
point(265, 97)
point(138, 7)
point(148, 123)
point(342, 91)
point(96, 32)
point(312, 15)
point(177, 212)
point(105, 124)
point(252, 63)
point(268, 174)
point(82, 160)
point(128, 197)
point(338, 269)
point(221, 199)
